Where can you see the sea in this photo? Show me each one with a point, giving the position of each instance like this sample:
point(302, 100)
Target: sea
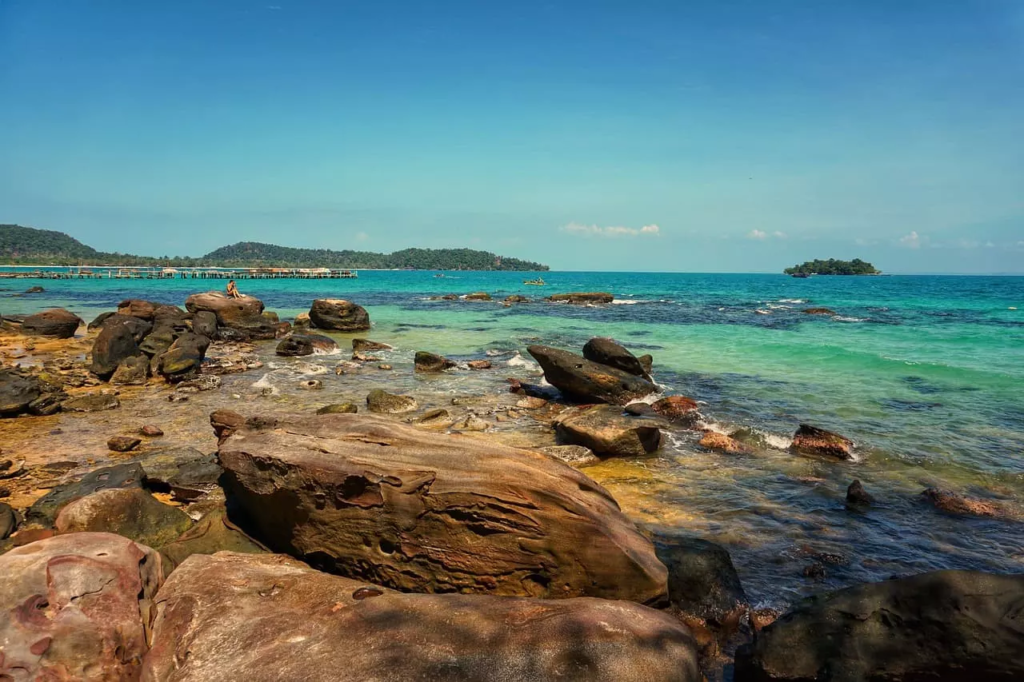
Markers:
point(924, 373)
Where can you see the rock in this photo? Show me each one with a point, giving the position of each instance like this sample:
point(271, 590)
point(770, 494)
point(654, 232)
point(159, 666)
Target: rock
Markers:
point(382, 402)
point(342, 408)
point(124, 443)
point(171, 316)
point(97, 323)
point(8, 469)
point(8, 522)
point(438, 418)
point(582, 298)
point(139, 328)
point(647, 362)
point(21, 393)
point(195, 479)
point(810, 440)
point(159, 340)
point(223, 609)
point(75, 607)
point(161, 465)
point(608, 433)
point(677, 408)
point(362, 357)
point(478, 296)
point(311, 385)
point(45, 509)
point(719, 442)
point(56, 323)
point(605, 351)
point(113, 344)
point(531, 403)
point(471, 423)
point(184, 358)
point(151, 431)
point(427, 512)
point(857, 498)
point(35, 290)
point(364, 345)
point(479, 364)
point(203, 382)
point(91, 402)
point(130, 512)
point(639, 410)
point(957, 504)
point(302, 322)
point(516, 298)
point(135, 307)
point(573, 455)
point(204, 322)
point(225, 423)
point(338, 315)
point(211, 534)
point(702, 581)
point(819, 311)
point(945, 625)
point(133, 371)
point(298, 345)
point(430, 363)
point(238, 313)
point(587, 381)
point(385, 367)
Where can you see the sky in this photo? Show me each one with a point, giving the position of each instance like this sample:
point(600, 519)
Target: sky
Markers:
point(702, 136)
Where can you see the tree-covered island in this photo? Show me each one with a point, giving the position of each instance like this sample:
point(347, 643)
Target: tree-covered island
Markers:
point(833, 267)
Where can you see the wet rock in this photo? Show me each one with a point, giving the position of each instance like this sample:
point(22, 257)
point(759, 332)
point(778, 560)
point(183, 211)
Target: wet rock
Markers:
point(21, 393)
point(75, 607)
point(573, 455)
point(211, 534)
point(184, 358)
point(719, 442)
point(432, 512)
point(195, 479)
point(10, 469)
point(161, 465)
point(479, 364)
point(8, 522)
point(478, 296)
point(124, 443)
point(471, 423)
point(135, 307)
point(960, 505)
point(531, 403)
point(607, 432)
point(91, 402)
point(302, 323)
point(678, 409)
point(364, 345)
point(605, 351)
point(382, 402)
point(582, 298)
point(233, 312)
point(820, 311)
point(647, 362)
point(132, 371)
point(151, 431)
point(202, 383)
point(114, 343)
point(946, 625)
point(430, 363)
point(338, 315)
point(130, 512)
point(516, 298)
point(204, 322)
point(225, 423)
point(363, 357)
point(339, 408)
point(438, 418)
point(35, 290)
point(225, 608)
point(385, 367)
point(702, 581)
point(816, 571)
point(857, 498)
point(55, 323)
point(45, 509)
point(311, 385)
point(587, 381)
point(810, 440)
point(98, 321)
point(299, 345)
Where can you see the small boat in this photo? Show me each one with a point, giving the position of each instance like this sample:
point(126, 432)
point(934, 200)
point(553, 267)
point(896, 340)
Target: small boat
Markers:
point(539, 282)
point(438, 275)
point(801, 275)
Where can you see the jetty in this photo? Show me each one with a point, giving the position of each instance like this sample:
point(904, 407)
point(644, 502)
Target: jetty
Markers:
point(115, 272)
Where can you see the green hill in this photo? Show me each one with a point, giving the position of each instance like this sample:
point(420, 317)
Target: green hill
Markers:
point(29, 246)
point(833, 267)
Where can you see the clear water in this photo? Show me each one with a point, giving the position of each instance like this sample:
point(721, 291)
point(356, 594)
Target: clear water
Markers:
point(926, 374)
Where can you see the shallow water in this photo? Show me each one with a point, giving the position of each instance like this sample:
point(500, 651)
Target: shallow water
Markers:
point(924, 373)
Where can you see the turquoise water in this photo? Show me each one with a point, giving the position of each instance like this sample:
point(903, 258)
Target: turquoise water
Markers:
point(924, 373)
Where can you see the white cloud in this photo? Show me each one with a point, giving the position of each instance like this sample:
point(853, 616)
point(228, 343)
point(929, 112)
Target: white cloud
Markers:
point(611, 231)
point(912, 240)
point(757, 234)
point(361, 237)
point(779, 235)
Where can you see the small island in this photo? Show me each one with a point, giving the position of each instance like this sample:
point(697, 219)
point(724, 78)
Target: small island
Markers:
point(832, 267)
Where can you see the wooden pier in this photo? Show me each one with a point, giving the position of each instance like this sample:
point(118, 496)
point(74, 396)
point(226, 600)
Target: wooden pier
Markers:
point(109, 272)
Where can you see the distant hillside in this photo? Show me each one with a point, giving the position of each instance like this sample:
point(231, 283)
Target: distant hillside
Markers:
point(29, 246)
point(833, 267)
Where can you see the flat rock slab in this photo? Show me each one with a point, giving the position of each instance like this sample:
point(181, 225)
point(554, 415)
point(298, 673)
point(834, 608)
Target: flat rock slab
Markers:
point(44, 511)
point(72, 607)
point(417, 511)
point(608, 433)
point(263, 618)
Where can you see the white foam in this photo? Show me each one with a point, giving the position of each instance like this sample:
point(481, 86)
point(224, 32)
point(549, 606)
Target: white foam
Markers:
point(320, 351)
point(518, 360)
point(763, 312)
point(631, 301)
point(793, 300)
point(776, 441)
point(307, 368)
point(840, 318)
point(265, 386)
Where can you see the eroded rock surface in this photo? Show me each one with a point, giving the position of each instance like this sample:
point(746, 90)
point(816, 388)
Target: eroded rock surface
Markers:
point(587, 381)
point(607, 432)
point(338, 315)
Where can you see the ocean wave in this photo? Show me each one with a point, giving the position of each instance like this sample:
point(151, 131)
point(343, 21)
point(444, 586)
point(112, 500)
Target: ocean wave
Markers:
point(629, 301)
point(761, 311)
point(264, 386)
point(797, 301)
point(518, 360)
point(840, 318)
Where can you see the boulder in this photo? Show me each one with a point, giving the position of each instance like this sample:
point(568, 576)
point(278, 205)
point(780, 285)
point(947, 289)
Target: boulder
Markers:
point(91, 402)
point(56, 323)
point(123, 443)
point(298, 345)
point(184, 358)
point(129, 512)
point(230, 311)
point(582, 298)
point(211, 534)
point(516, 298)
point(301, 323)
point(647, 362)
point(76, 607)
point(204, 322)
point(114, 343)
point(719, 442)
point(98, 321)
point(702, 581)
point(955, 626)
point(419, 511)
point(339, 408)
point(478, 296)
point(820, 311)
point(429, 363)
point(573, 455)
point(135, 307)
point(46, 508)
point(8, 521)
point(605, 351)
point(159, 340)
point(161, 465)
point(677, 408)
point(133, 371)
point(139, 328)
point(171, 316)
point(364, 345)
point(581, 379)
point(810, 440)
point(267, 617)
point(607, 432)
point(857, 498)
point(338, 315)
point(35, 290)
point(959, 505)
point(24, 393)
point(479, 364)
point(382, 402)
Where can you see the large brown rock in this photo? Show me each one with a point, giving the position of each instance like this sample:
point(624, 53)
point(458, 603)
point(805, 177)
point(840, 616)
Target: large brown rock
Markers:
point(263, 618)
point(211, 534)
point(954, 626)
point(74, 607)
point(184, 358)
point(607, 432)
point(44, 510)
point(130, 512)
point(298, 345)
point(57, 323)
point(605, 351)
point(114, 343)
point(418, 511)
point(338, 315)
point(431, 363)
point(24, 393)
point(582, 297)
point(810, 440)
point(230, 312)
point(136, 307)
point(587, 381)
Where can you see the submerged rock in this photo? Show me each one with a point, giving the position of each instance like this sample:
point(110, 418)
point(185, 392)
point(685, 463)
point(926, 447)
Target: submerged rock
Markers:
point(960, 505)
point(55, 323)
point(573, 455)
point(339, 408)
point(719, 442)
point(810, 440)
point(588, 381)
point(413, 510)
point(299, 345)
point(820, 311)
point(956, 626)
point(857, 498)
point(91, 402)
point(678, 409)
point(382, 402)
point(702, 581)
point(478, 296)
point(430, 363)
point(130, 512)
point(605, 351)
point(582, 298)
point(239, 617)
point(364, 345)
point(338, 315)
point(608, 433)
point(479, 364)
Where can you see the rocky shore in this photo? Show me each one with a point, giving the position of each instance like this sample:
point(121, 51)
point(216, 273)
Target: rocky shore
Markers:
point(215, 532)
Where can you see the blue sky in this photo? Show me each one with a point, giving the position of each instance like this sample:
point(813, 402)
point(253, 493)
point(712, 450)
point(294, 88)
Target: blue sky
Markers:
point(641, 135)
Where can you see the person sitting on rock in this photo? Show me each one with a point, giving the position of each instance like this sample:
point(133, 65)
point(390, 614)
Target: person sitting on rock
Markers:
point(233, 289)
